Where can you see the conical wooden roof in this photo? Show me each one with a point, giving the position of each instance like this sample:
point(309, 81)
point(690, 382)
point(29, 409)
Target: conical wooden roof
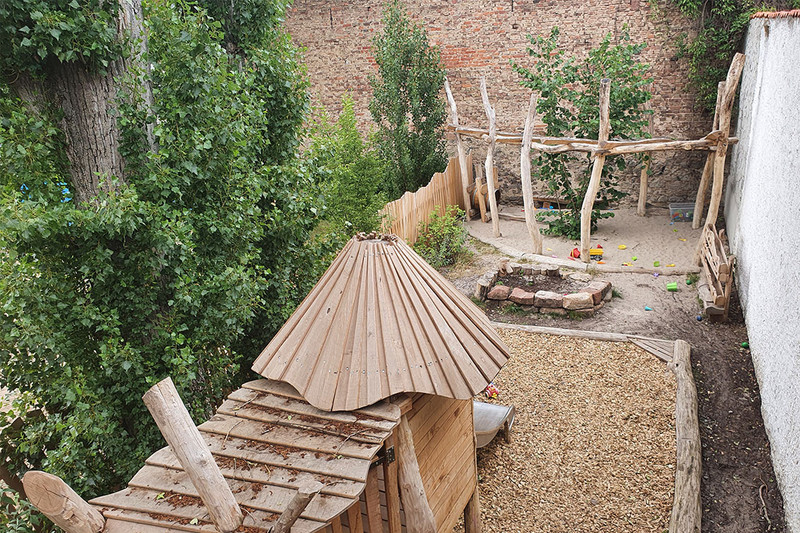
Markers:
point(382, 321)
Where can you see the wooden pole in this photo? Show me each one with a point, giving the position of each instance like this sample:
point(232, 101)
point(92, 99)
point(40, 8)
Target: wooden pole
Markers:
point(462, 155)
point(167, 409)
point(392, 490)
point(58, 502)
point(305, 493)
point(725, 110)
point(641, 208)
point(597, 170)
point(419, 516)
point(702, 189)
point(478, 187)
point(525, 173)
point(490, 114)
point(472, 514)
point(686, 509)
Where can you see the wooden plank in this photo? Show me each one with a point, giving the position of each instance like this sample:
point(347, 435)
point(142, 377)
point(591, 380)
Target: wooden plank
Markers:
point(597, 171)
point(336, 525)
point(122, 521)
point(248, 460)
point(392, 492)
point(373, 501)
point(354, 521)
point(289, 437)
point(583, 334)
point(656, 350)
point(263, 496)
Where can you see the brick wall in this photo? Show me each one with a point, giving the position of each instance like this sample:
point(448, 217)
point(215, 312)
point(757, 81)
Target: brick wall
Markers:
point(478, 37)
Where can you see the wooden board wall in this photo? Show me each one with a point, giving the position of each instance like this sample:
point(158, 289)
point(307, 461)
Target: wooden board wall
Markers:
point(444, 442)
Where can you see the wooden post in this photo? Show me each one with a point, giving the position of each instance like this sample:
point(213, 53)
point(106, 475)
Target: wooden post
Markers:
point(525, 173)
point(702, 189)
point(462, 155)
point(641, 208)
point(419, 516)
point(597, 170)
point(478, 187)
point(372, 499)
point(472, 514)
point(58, 502)
point(490, 114)
point(167, 409)
point(725, 110)
point(392, 490)
point(687, 508)
point(354, 521)
point(305, 493)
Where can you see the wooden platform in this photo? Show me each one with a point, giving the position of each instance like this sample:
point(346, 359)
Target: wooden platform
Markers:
point(266, 440)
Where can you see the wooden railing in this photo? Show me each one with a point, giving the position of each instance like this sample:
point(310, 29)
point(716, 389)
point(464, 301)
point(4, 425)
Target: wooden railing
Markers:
point(404, 215)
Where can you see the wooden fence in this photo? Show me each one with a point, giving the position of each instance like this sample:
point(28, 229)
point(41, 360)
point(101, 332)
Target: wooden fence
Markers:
point(404, 215)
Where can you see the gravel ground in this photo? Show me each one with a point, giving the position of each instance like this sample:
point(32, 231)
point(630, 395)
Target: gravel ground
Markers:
point(593, 444)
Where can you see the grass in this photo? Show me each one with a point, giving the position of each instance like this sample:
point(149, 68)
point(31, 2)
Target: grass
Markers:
point(616, 294)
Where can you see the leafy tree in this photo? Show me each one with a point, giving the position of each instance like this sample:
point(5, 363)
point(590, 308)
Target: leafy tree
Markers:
point(351, 172)
point(406, 102)
point(184, 264)
point(568, 104)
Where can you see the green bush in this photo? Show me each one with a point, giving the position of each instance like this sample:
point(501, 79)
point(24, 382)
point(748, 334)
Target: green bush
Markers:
point(442, 240)
point(407, 103)
point(19, 516)
point(351, 172)
point(568, 104)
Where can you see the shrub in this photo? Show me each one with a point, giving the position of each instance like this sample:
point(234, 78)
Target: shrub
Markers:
point(568, 104)
point(20, 516)
point(442, 239)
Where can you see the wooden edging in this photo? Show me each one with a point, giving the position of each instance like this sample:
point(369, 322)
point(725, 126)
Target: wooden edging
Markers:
point(686, 513)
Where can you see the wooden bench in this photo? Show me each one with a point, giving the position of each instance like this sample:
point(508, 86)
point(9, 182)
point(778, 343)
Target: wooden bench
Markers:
point(717, 267)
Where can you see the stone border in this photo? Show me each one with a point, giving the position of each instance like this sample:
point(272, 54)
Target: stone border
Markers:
point(584, 303)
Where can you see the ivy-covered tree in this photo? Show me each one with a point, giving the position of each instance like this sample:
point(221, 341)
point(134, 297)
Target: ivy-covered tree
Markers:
point(407, 103)
point(568, 105)
point(178, 256)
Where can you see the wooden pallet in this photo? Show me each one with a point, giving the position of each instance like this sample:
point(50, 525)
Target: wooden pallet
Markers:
point(717, 267)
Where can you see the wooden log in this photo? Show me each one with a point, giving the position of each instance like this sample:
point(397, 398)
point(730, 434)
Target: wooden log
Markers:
point(462, 155)
point(472, 514)
point(419, 516)
point(58, 502)
point(525, 174)
point(183, 437)
point(479, 186)
point(305, 493)
point(641, 207)
point(725, 110)
point(490, 114)
point(392, 491)
point(702, 189)
point(597, 170)
point(686, 509)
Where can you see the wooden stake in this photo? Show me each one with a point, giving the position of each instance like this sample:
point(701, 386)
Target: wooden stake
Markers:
point(641, 208)
point(183, 437)
point(419, 516)
point(525, 173)
point(392, 491)
point(686, 509)
point(490, 114)
point(462, 155)
point(725, 110)
point(478, 187)
point(702, 189)
point(58, 502)
point(305, 493)
point(597, 170)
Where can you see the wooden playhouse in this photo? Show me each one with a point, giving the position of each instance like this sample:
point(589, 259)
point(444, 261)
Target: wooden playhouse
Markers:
point(363, 421)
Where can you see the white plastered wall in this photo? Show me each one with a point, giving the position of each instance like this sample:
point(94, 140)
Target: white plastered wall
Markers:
point(763, 223)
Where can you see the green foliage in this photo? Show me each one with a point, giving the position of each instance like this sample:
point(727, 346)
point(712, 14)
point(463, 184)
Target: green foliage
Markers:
point(442, 240)
point(186, 271)
point(568, 104)
point(351, 172)
point(36, 31)
point(23, 516)
point(406, 102)
point(724, 23)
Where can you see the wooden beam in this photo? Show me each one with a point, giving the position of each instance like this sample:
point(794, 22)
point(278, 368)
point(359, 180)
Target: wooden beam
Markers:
point(392, 490)
point(462, 155)
point(490, 114)
point(305, 493)
point(58, 502)
point(597, 170)
point(725, 110)
point(525, 174)
point(419, 516)
point(702, 189)
point(686, 509)
point(183, 437)
point(641, 207)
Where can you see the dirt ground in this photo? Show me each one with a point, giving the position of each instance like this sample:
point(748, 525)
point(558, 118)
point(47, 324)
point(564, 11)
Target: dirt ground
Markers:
point(739, 493)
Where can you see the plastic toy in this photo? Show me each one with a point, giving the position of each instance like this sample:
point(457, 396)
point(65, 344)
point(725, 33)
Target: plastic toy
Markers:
point(595, 253)
point(672, 287)
point(648, 308)
point(491, 391)
point(622, 247)
point(656, 263)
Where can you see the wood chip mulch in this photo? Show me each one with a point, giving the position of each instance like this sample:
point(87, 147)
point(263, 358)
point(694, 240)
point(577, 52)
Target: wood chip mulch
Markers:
point(593, 444)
